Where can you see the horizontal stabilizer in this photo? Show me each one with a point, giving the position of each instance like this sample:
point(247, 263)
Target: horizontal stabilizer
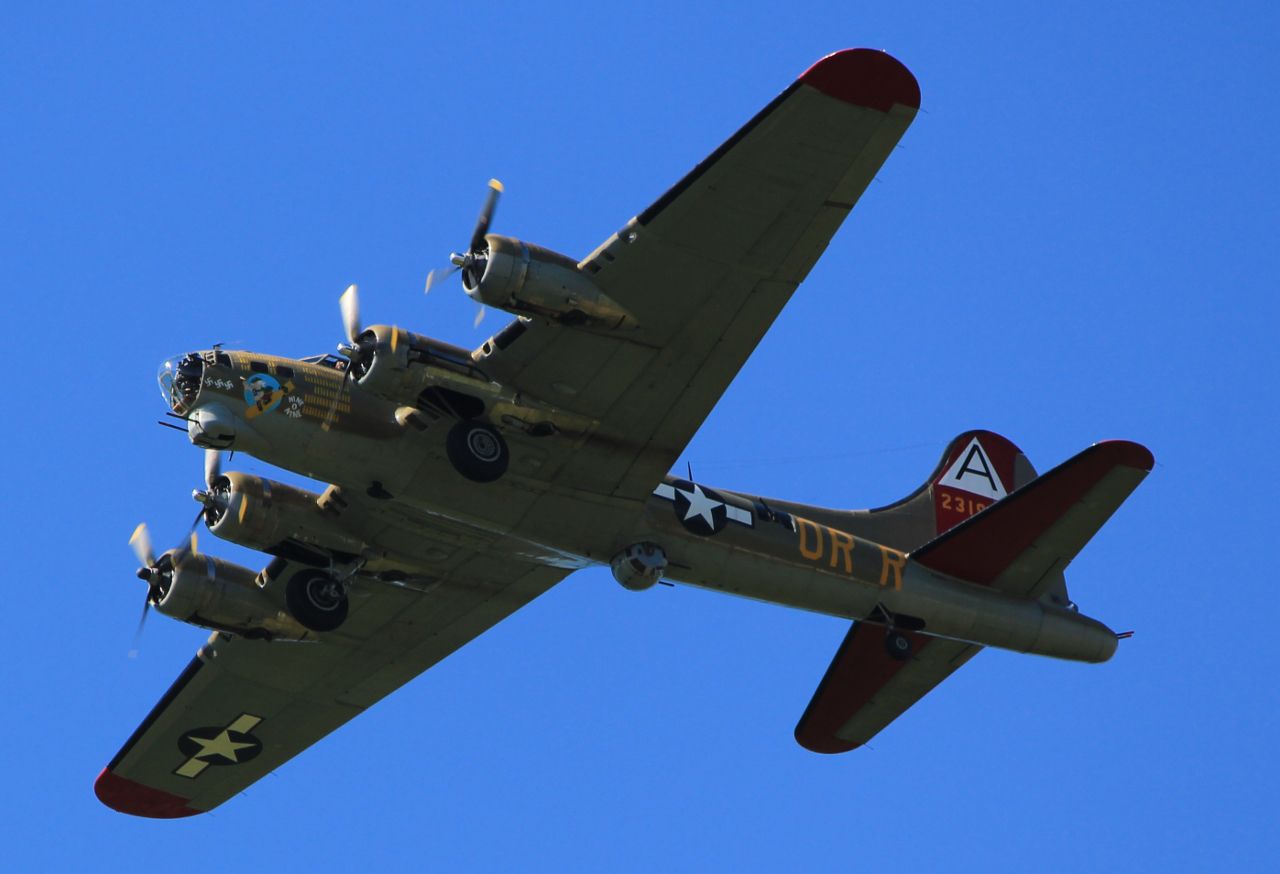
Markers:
point(1017, 542)
point(865, 689)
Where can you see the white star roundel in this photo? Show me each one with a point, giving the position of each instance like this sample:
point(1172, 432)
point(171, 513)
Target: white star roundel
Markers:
point(219, 745)
point(698, 510)
point(701, 510)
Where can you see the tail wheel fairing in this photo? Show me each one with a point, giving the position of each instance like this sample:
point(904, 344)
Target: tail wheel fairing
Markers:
point(898, 645)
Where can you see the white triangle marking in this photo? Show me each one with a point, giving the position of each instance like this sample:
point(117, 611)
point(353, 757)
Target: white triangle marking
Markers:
point(973, 472)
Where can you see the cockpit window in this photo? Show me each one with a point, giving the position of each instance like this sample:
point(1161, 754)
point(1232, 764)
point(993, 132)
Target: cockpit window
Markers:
point(331, 361)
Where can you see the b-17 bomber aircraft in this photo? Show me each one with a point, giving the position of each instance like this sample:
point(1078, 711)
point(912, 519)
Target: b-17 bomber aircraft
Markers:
point(464, 484)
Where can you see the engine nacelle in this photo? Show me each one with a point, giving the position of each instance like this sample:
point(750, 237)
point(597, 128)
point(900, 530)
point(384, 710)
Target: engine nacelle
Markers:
point(216, 594)
point(525, 279)
point(273, 517)
point(399, 365)
point(639, 566)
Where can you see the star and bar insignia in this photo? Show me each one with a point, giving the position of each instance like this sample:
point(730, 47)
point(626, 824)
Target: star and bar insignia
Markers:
point(701, 510)
point(231, 745)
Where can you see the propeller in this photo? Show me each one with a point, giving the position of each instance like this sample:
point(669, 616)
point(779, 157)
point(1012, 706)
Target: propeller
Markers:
point(212, 466)
point(472, 262)
point(358, 350)
point(349, 303)
point(141, 543)
point(156, 573)
point(216, 495)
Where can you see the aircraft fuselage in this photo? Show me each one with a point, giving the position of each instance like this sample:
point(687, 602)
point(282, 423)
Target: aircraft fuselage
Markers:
point(305, 416)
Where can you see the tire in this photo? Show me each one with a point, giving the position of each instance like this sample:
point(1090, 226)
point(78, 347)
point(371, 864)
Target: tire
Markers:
point(316, 600)
point(477, 451)
point(898, 645)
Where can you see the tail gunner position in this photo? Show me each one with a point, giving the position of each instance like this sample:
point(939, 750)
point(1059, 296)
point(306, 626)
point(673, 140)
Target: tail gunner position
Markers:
point(466, 483)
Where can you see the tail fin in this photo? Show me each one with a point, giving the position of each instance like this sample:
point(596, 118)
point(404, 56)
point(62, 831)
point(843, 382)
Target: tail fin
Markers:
point(976, 470)
point(1038, 530)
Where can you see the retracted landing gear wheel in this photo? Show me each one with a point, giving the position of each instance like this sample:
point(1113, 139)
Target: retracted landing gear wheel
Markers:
point(477, 451)
point(316, 600)
point(898, 645)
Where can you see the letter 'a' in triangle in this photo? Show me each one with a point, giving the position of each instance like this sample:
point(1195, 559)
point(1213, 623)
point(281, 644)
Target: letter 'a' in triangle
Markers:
point(973, 472)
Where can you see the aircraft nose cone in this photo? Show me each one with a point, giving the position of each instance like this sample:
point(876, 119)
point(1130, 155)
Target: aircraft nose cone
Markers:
point(164, 375)
point(180, 377)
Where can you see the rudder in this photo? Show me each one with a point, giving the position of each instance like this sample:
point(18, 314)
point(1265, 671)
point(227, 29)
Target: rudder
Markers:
point(976, 469)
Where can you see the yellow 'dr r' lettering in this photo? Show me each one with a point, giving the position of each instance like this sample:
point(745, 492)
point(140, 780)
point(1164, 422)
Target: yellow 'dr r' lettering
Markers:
point(803, 527)
point(891, 560)
point(841, 544)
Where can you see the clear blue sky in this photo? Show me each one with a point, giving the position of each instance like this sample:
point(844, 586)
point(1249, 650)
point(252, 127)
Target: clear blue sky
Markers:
point(1076, 241)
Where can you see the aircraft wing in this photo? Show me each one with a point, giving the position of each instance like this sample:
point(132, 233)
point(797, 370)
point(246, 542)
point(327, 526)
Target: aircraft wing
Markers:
point(706, 269)
point(244, 707)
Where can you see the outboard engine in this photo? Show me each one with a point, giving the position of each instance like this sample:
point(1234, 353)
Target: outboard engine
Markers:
point(522, 278)
point(217, 594)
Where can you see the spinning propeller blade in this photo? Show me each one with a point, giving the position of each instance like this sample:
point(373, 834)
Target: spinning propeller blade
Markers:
point(486, 215)
point(141, 543)
point(151, 573)
point(437, 276)
point(142, 621)
point(476, 252)
point(213, 499)
point(212, 467)
point(350, 305)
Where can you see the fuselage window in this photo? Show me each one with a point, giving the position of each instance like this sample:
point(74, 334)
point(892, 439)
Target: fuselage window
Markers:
point(258, 366)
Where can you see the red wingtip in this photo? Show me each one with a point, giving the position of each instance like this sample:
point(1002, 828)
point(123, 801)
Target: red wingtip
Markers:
point(864, 77)
point(1130, 454)
point(126, 796)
